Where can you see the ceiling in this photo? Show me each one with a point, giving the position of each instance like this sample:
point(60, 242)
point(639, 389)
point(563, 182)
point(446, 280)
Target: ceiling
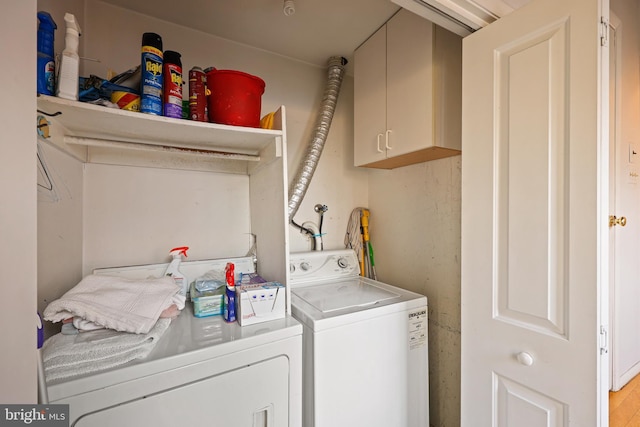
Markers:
point(316, 31)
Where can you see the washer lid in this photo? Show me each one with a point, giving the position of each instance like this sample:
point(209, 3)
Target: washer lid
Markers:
point(343, 294)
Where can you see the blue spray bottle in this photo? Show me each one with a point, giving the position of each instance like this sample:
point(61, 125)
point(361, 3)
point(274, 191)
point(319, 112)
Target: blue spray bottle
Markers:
point(46, 62)
point(230, 293)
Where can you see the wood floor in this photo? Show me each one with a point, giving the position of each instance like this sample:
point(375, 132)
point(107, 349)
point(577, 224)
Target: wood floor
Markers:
point(624, 405)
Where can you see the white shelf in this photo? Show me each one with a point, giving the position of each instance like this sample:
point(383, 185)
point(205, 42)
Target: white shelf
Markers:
point(101, 131)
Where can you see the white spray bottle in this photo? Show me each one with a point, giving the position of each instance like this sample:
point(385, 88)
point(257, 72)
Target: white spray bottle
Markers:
point(70, 62)
point(174, 269)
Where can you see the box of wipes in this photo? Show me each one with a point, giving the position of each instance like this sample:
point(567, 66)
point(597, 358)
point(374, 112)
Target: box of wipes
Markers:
point(260, 302)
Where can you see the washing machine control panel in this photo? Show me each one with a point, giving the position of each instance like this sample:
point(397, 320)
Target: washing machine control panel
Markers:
point(321, 265)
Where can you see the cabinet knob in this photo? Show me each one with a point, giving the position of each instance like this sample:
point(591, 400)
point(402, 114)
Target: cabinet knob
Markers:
point(525, 358)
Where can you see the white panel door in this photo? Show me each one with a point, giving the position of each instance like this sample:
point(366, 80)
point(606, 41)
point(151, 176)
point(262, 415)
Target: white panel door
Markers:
point(534, 217)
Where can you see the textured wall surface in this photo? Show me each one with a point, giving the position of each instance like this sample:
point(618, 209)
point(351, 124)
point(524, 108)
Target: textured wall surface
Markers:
point(415, 230)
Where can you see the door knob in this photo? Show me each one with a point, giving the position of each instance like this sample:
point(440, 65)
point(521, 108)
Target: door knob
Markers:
point(613, 221)
point(525, 358)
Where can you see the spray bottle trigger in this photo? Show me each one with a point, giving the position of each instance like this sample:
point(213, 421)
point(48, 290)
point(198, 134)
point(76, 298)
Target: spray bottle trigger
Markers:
point(182, 250)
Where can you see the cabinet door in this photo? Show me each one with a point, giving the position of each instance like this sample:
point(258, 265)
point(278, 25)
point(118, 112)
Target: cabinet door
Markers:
point(409, 83)
point(370, 99)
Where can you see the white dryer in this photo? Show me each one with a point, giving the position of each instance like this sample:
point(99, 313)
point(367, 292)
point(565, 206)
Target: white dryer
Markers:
point(203, 371)
point(365, 358)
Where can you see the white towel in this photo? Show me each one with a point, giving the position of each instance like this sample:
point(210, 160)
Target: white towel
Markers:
point(66, 356)
point(127, 305)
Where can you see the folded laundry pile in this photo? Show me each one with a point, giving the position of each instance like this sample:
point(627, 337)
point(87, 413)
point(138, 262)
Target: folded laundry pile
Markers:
point(126, 305)
point(71, 355)
point(120, 320)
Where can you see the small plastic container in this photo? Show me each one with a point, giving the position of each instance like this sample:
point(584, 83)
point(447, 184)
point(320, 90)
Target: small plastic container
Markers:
point(208, 303)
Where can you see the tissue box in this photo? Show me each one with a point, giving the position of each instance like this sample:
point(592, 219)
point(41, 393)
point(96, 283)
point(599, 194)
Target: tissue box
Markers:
point(207, 303)
point(260, 302)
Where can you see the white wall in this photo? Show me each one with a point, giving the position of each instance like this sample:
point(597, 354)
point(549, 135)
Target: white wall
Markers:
point(18, 206)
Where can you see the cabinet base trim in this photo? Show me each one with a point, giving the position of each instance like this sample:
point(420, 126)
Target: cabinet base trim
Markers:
point(431, 153)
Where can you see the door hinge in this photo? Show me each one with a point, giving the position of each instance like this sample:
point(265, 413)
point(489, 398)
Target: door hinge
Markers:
point(604, 340)
point(604, 31)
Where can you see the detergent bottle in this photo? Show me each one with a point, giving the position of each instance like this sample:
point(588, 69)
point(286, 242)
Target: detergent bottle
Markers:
point(45, 61)
point(174, 269)
point(70, 63)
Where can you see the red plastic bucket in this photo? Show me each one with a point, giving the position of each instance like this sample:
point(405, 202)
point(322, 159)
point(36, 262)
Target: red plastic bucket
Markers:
point(235, 98)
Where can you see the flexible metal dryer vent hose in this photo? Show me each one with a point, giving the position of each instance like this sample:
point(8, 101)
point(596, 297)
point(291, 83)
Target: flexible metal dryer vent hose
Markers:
point(307, 167)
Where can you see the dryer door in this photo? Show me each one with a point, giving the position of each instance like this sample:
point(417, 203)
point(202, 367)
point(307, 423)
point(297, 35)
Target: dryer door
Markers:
point(256, 395)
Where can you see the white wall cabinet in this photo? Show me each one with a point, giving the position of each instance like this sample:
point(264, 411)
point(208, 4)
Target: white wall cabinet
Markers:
point(407, 94)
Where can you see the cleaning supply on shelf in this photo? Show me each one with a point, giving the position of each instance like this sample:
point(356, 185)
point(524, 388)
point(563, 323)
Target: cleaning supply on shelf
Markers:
point(230, 295)
point(46, 62)
point(267, 121)
point(173, 269)
point(197, 95)
point(172, 86)
point(260, 302)
point(209, 302)
point(126, 100)
point(151, 78)
point(210, 281)
point(67, 86)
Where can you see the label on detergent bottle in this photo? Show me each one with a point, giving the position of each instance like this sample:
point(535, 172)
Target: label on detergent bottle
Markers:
point(230, 294)
point(151, 79)
point(49, 76)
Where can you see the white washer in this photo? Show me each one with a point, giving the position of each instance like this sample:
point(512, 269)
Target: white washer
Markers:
point(203, 371)
point(364, 345)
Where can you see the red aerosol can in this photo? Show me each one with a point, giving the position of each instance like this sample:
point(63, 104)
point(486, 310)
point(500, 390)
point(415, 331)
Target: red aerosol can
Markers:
point(197, 95)
point(172, 86)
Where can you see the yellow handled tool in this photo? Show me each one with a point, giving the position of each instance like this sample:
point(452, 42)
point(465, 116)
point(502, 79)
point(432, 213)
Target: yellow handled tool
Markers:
point(366, 245)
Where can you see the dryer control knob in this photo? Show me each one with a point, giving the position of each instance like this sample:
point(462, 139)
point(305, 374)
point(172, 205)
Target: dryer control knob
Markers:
point(305, 266)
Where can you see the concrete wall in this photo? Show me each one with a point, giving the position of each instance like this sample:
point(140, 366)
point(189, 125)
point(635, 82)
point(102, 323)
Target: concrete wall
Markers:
point(415, 231)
